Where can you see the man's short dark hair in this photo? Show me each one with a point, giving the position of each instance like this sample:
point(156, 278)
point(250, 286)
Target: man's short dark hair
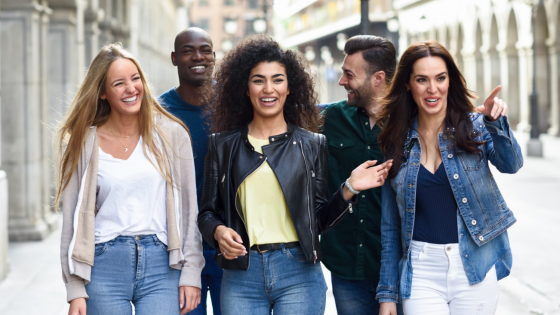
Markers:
point(378, 52)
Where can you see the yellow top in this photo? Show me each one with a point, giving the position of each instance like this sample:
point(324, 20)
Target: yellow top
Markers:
point(263, 205)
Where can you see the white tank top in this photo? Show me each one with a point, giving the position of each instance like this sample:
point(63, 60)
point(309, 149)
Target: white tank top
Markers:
point(130, 197)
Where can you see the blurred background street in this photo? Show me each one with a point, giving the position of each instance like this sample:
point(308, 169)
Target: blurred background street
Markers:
point(47, 45)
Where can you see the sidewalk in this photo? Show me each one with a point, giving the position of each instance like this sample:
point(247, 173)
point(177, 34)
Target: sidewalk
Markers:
point(34, 284)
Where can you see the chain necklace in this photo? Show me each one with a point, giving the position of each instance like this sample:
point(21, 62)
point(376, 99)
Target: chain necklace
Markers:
point(125, 147)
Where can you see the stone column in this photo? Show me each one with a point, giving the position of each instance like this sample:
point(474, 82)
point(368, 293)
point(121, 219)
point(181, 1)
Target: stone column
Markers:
point(106, 23)
point(92, 16)
point(3, 205)
point(23, 156)
point(525, 74)
point(554, 66)
point(509, 79)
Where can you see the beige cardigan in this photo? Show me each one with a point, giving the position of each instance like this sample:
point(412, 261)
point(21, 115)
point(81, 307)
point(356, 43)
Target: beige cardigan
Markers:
point(79, 210)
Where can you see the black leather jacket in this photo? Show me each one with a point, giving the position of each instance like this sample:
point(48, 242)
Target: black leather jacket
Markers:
point(299, 161)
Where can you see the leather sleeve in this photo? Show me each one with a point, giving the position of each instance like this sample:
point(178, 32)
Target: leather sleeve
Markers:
point(328, 209)
point(210, 214)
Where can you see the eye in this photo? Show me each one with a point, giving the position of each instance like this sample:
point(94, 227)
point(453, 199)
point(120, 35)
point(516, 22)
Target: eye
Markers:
point(442, 78)
point(187, 51)
point(136, 78)
point(256, 81)
point(279, 80)
point(119, 83)
point(421, 80)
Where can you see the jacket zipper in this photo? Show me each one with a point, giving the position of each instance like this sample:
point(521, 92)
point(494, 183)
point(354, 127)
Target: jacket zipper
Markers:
point(349, 208)
point(239, 213)
point(308, 208)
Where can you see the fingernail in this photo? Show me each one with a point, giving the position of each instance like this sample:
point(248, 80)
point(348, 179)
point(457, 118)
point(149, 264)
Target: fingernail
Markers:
point(180, 305)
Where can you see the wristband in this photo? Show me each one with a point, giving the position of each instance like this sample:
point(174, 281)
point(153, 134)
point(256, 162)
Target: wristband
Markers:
point(352, 190)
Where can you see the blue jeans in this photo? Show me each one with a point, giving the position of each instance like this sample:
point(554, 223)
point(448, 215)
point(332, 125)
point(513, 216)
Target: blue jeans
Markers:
point(281, 280)
point(211, 281)
point(133, 269)
point(356, 297)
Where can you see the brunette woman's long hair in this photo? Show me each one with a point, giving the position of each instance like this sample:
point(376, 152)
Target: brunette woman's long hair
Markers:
point(398, 109)
point(88, 109)
point(232, 108)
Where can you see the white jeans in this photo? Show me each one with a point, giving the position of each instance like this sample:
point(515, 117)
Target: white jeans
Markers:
point(440, 285)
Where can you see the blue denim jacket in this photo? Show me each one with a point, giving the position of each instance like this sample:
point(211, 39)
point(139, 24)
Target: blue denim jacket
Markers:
point(482, 216)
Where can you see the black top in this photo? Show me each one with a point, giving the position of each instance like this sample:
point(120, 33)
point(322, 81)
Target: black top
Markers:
point(435, 219)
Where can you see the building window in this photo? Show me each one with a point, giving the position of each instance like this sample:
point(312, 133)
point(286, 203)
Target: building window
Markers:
point(253, 4)
point(229, 2)
point(203, 3)
point(204, 24)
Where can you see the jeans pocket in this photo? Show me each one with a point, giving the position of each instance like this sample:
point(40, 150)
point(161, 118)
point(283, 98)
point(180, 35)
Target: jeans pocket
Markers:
point(101, 248)
point(161, 245)
point(296, 254)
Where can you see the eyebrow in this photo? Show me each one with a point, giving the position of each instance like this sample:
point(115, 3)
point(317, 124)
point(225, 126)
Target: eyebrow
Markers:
point(423, 76)
point(192, 46)
point(135, 74)
point(262, 76)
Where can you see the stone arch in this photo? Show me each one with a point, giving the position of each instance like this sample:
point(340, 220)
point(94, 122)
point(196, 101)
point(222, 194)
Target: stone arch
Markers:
point(554, 52)
point(510, 70)
point(494, 58)
point(542, 70)
point(479, 60)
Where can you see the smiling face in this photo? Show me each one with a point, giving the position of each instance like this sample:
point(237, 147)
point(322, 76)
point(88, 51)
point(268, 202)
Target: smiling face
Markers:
point(123, 87)
point(429, 85)
point(194, 57)
point(268, 89)
point(356, 82)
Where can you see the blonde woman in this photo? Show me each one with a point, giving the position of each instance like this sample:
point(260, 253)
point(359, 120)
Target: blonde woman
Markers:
point(127, 182)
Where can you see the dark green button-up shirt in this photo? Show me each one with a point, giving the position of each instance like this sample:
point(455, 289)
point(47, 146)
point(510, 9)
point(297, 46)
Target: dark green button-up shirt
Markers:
point(352, 249)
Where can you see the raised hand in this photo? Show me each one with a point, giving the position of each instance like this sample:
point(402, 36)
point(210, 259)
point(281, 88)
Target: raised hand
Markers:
point(493, 107)
point(367, 176)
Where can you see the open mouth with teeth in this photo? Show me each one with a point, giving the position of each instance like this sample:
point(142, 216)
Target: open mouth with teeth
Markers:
point(199, 68)
point(432, 101)
point(268, 101)
point(130, 100)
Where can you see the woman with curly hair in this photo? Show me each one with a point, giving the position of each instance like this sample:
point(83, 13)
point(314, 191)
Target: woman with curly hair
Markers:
point(126, 177)
point(265, 198)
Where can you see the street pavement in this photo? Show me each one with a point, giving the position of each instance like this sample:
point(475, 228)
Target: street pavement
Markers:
point(34, 284)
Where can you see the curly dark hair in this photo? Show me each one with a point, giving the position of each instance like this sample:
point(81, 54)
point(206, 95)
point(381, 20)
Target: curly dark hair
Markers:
point(231, 108)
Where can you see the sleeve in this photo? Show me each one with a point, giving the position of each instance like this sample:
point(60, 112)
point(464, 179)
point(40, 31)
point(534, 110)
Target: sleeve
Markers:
point(501, 147)
point(391, 250)
point(192, 241)
point(210, 216)
point(75, 286)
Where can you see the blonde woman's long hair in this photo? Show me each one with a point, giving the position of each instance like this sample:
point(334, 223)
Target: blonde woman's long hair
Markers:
point(88, 109)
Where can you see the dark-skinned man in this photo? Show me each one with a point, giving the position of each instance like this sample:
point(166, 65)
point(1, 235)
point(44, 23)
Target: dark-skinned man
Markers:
point(194, 58)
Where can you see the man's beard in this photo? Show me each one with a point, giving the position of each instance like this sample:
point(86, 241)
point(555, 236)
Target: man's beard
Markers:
point(363, 96)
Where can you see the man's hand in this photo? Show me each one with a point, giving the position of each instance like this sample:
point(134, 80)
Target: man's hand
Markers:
point(189, 298)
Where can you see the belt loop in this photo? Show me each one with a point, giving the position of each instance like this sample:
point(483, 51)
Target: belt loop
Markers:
point(261, 251)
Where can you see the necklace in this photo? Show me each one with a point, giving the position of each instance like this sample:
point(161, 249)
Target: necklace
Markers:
point(125, 147)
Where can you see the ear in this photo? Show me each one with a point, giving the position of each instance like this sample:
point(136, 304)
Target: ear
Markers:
point(288, 92)
point(379, 78)
point(173, 58)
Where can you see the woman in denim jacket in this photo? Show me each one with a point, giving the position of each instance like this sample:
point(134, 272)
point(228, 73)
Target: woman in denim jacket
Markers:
point(444, 221)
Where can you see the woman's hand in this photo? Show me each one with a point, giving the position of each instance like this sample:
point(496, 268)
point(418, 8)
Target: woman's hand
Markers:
point(77, 307)
point(388, 308)
point(189, 298)
point(231, 244)
point(493, 107)
point(367, 176)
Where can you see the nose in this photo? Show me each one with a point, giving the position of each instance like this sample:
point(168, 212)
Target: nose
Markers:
point(343, 81)
point(197, 55)
point(432, 87)
point(130, 88)
point(268, 87)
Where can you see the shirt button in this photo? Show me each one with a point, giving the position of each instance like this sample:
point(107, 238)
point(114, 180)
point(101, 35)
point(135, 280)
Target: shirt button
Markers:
point(272, 139)
point(366, 124)
point(368, 147)
point(464, 200)
point(363, 196)
point(481, 238)
point(455, 176)
point(137, 238)
point(294, 142)
point(361, 221)
point(473, 222)
point(448, 248)
point(449, 156)
point(341, 144)
point(466, 256)
point(360, 245)
point(444, 137)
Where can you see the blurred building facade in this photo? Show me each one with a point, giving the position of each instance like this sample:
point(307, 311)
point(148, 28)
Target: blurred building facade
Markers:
point(45, 51)
point(319, 28)
point(492, 41)
point(229, 21)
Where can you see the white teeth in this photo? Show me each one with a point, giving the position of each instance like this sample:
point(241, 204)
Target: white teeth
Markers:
point(130, 99)
point(431, 100)
point(198, 67)
point(268, 99)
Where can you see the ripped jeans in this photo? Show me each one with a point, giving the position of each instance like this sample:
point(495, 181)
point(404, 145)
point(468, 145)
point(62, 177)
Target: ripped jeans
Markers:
point(440, 285)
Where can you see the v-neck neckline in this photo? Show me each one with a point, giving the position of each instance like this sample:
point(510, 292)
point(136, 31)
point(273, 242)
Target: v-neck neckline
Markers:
point(123, 160)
